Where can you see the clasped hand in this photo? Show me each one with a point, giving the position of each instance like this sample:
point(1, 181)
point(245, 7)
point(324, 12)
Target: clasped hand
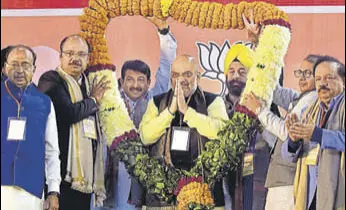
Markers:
point(178, 101)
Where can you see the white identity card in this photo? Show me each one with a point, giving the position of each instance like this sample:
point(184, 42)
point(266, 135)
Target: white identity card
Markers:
point(89, 128)
point(180, 139)
point(16, 129)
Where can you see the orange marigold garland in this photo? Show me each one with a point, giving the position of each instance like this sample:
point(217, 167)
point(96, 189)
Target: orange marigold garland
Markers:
point(93, 23)
point(123, 7)
point(129, 8)
point(203, 14)
point(183, 12)
point(195, 15)
point(151, 7)
point(188, 19)
point(193, 194)
point(114, 8)
point(144, 8)
point(157, 9)
point(136, 7)
point(216, 16)
point(227, 16)
point(210, 15)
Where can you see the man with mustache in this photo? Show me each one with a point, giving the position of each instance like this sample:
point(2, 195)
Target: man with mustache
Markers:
point(281, 173)
point(177, 121)
point(80, 141)
point(135, 81)
point(316, 141)
point(29, 139)
point(239, 185)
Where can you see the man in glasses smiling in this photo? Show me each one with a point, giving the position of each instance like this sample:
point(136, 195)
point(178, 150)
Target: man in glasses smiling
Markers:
point(76, 102)
point(281, 173)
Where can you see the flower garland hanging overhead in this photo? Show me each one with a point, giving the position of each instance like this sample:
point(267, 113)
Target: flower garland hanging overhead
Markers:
point(220, 155)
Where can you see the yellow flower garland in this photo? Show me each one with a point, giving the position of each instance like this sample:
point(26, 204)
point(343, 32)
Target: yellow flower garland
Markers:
point(227, 16)
point(190, 12)
point(203, 14)
point(184, 9)
point(194, 192)
point(269, 59)
point(113, 123)
point(144, 8)
point(195, 15)
point(166, 4)
point(216, 16)
point(95, 18)
point(129, 8)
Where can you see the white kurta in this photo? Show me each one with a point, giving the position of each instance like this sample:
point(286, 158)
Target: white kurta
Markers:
point(16, 198)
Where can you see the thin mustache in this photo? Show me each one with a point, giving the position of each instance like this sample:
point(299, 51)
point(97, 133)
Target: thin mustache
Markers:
point(75, 63)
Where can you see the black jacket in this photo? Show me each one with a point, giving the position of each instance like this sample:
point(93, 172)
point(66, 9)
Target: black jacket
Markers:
point(67, 113)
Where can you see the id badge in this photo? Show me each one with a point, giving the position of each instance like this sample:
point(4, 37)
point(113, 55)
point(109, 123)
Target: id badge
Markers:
point(312, 157)
point(89, 128)
point(180, 139)
point(248, 167)
point(16, 129)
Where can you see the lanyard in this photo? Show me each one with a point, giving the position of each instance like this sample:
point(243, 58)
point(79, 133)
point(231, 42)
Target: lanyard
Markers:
point(14, 98)
point(181, 119)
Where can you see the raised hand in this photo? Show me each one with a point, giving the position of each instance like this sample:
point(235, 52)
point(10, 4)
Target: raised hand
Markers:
point(253, 29)
point(99, 88)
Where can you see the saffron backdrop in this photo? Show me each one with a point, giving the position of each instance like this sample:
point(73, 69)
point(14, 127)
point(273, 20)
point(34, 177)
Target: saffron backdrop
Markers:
point(318, 32)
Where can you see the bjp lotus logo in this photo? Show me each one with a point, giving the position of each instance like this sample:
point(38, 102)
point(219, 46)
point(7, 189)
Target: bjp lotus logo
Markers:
point(211, 58)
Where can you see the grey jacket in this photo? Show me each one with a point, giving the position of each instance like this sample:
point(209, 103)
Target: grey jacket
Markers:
point(280, 171)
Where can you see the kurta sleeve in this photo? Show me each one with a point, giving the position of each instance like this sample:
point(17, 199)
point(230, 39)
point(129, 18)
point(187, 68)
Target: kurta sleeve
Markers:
point(52, 161)
point(168, 48)
point(273, 124)
point(284, 96)
point(153, 124)
point(210, 125)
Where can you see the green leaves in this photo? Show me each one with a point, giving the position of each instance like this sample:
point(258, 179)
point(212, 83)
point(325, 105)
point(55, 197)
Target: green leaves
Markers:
point(219, 157)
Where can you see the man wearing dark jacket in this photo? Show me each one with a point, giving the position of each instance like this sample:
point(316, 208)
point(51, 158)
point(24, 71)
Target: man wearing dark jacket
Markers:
point(76, 105)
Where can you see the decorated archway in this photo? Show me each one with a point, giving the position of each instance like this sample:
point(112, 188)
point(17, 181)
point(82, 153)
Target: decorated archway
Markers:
point(220, 155)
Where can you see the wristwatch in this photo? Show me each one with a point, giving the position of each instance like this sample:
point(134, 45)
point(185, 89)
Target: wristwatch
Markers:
point(164, 31)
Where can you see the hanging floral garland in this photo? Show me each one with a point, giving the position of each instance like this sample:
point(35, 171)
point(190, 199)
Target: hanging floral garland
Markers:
point(220, 155)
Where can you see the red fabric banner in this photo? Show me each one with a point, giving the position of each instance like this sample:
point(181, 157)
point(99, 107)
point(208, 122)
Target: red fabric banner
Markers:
point(50, 4)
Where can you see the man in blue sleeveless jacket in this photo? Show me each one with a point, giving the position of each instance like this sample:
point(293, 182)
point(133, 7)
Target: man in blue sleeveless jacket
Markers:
point(29, 139)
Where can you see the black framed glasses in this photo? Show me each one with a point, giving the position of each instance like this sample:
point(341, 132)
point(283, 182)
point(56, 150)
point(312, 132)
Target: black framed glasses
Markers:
point(307, 73)
point(78, 54)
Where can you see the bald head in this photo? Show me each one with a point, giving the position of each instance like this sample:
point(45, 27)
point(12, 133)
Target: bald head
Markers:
point(185, 70)
point(187, 60)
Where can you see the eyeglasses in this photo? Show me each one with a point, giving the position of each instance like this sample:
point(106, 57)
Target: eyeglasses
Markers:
point(78, 54)
point(16, 66)
point(307, 73)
